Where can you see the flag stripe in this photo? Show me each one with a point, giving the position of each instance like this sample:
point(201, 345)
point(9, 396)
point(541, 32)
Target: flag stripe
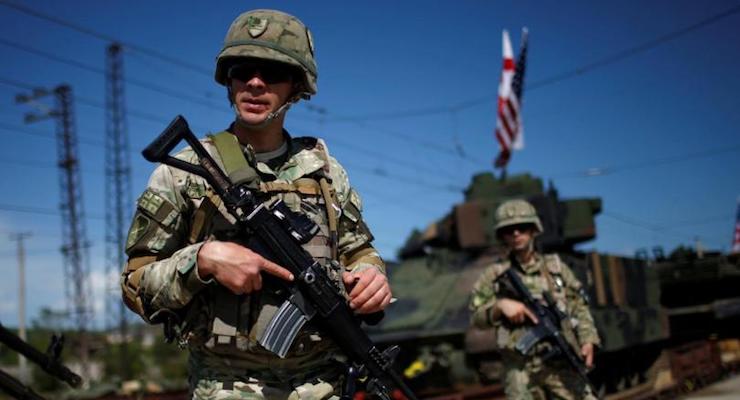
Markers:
point(509, 131)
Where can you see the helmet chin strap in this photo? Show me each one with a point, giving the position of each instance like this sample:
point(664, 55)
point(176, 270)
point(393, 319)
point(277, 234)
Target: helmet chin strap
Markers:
point(260, 125)
point(268, 120)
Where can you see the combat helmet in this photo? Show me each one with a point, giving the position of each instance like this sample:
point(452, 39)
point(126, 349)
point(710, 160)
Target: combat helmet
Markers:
point(516, 212)
point(270, 35)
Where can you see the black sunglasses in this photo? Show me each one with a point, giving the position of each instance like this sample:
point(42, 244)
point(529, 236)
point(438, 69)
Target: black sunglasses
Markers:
point(508, 230)
point(270, 73)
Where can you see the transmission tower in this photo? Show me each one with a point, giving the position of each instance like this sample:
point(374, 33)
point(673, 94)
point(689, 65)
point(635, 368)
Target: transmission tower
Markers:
point(117, 196)
point(74, 237)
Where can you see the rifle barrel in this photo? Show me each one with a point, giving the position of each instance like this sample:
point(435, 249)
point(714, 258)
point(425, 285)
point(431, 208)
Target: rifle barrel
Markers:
point(47, 363)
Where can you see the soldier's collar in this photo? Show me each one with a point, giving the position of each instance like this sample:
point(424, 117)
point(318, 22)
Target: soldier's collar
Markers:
point(299, 160)
point(304, 159)
point(268, 167)
point(533, 265)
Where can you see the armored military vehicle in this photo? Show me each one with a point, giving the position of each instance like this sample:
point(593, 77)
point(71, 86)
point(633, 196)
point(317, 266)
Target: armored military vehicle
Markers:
point(438, 266)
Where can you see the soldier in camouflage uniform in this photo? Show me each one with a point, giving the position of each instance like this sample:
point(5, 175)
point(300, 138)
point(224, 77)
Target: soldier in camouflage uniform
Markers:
point(530, 377)
point(189, 268)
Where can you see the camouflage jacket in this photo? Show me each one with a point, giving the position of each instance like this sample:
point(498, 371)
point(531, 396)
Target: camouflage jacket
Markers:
point(178, 212)
point(567, 296)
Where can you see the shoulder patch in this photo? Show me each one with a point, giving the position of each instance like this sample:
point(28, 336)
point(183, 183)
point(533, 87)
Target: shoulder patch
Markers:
point(150, 202)
point(157, 208)
point(138, 230)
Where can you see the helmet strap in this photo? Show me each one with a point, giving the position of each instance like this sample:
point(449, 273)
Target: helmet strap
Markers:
point(270, 117)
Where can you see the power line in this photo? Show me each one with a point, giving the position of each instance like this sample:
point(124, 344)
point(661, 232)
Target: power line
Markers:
point(405, 179)
point(378, 155)
point(105, 37)
point(15, 128)
point(40, 211)
point(207, 103)
point(626, 53)
point(178, 95)
point(658, 229)
point(610, 59)
point(393, 134)
point(181, 96)
point(576, 72)
point(601, 171)
point(405, 202)
point(376, 171)
point(134, 82)
point(16, 84)
point(371, 170)
point(728, 218)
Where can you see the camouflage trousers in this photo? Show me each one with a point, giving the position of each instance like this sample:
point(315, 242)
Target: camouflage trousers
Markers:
point(257, 390)
point(531, 379)
point(230, 374)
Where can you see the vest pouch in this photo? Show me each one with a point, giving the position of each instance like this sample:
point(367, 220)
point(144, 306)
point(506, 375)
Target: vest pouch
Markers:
point(229, 322)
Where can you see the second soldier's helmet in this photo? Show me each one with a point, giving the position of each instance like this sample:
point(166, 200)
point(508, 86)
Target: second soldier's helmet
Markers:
point(517, 212)
point(274, 36)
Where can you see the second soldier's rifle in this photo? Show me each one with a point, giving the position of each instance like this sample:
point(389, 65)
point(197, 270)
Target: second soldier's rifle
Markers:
point(549, 326)
point(281, 232)
point(48, 361)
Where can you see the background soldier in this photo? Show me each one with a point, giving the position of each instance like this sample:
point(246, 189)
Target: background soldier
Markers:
point(530, 377)
point(189, 268)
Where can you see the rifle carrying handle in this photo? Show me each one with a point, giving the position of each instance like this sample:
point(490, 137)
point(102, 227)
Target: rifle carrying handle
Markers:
point(160, 148)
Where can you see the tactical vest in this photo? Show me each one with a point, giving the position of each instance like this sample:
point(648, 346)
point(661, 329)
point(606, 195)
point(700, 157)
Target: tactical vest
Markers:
point(234, 322)
point(548, 278)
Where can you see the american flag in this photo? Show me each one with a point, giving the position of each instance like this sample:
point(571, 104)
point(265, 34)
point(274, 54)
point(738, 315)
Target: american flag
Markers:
point(736, 240)
point(509, 130)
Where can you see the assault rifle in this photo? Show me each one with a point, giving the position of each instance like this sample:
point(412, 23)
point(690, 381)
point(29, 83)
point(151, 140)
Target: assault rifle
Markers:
point(48, 361)
point(279, 233)
point(549, 327)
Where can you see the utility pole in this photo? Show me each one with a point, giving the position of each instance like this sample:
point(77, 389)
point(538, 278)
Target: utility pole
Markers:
point(117, 196)
point(22, 366)
point(74, 237)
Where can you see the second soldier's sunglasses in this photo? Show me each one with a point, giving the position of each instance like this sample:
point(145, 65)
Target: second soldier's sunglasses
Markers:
point(269, 72)
point(509, 230)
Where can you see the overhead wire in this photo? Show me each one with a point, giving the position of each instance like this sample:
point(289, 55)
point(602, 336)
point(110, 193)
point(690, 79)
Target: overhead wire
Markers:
point(377, 171)
point(657, 229)
point(153, 53)
point(105, 37)
point(378, 155)
point(383, 174)
point(405, 179)
point(134, 82)
point(183, 96)
point(559, 77)
point(602, 171)
point(40, 211)
point(610, 59)
point(21, 129)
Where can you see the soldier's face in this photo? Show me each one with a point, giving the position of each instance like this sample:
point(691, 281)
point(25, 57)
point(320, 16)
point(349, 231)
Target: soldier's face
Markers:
point(518, 237)
point(259, 88)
